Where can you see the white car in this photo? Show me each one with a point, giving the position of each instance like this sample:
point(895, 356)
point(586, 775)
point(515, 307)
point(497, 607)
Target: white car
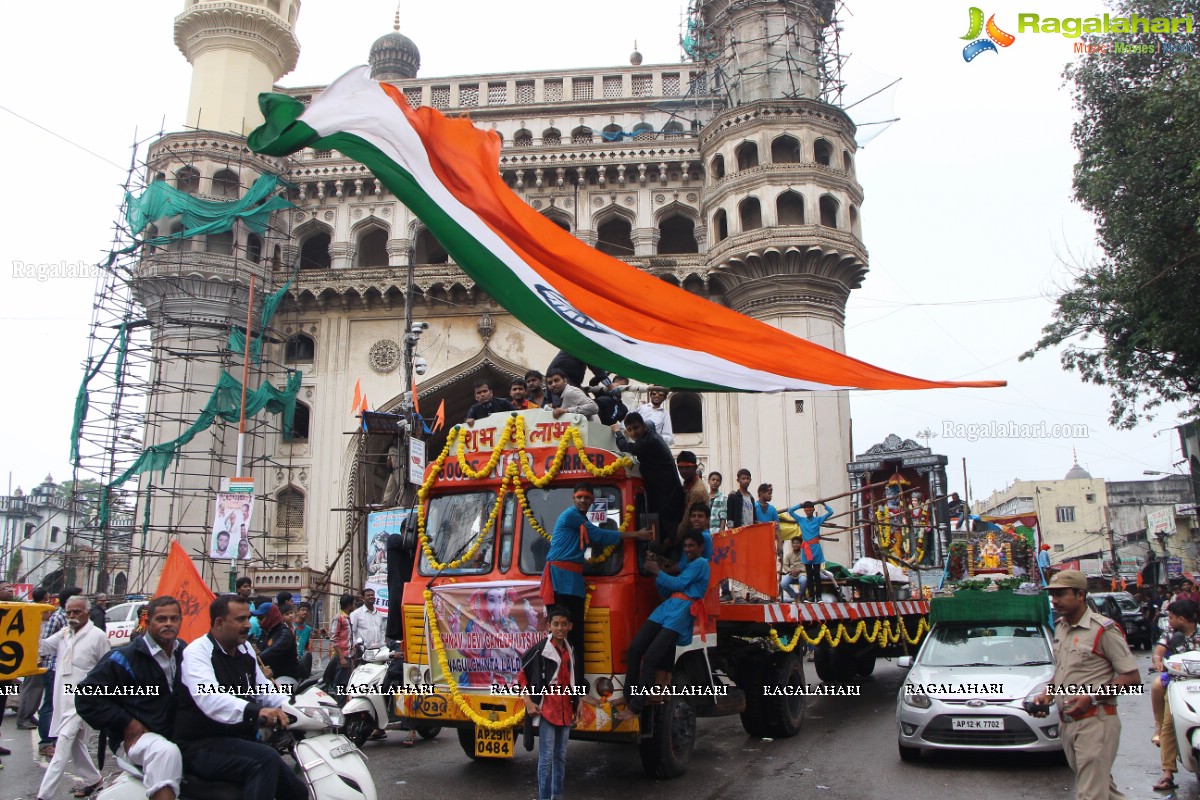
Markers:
point(120, 622)
point(967, 688)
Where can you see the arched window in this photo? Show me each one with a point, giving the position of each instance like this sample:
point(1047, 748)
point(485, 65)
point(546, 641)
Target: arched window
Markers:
point(314, 252)
point(677, 234)
point(673, 130)
point(428, 250)
point(581, 135)
point(829, 211)
point(789, 209)
point(615, 237)
point(289, 512)
point(300, 421)
point(523, 138)
point(372, 249)
point(225, 184)
point(160, 176)
point(551, 137)
point(750, 213)
point(612, 133)
point(720, 225)
point(785, 150)
point(687, 412)
point(220, 243)
point(854, 220)
point(254, 248)
point(560, 221)
point(822, 152)
point(847, 162)
point(643, 130)
point(717, 167)
point(121, 584)
point(299, 349)
point(179, 244)
point(747, 155)
point(188, 180)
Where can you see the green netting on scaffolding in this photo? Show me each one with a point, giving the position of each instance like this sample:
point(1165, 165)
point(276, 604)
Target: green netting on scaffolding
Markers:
point(224, 403)
point(121, 343)
point(203, 216)
point(237, 336)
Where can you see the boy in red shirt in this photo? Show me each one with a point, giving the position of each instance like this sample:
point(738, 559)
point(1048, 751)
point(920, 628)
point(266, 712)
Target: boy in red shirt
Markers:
point(550, 669)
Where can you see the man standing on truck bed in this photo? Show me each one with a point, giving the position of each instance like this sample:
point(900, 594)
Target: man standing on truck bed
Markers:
point(562, 577)
point(1090, 652)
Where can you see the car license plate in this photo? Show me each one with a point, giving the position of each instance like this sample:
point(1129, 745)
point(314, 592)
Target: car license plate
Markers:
point(977, 724)
point(493, 744)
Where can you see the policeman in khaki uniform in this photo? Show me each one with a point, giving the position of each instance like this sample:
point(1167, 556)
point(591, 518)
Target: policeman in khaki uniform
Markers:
point(1091, 653)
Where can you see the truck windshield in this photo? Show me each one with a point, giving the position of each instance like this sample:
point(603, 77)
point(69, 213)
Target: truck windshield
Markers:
point(452, 525)
point(975, 644)
point(547, 505)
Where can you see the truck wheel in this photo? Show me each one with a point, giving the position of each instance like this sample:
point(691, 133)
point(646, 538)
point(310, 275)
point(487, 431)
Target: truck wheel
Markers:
point(909, 753)
point(667, 752)
point(823, 661)
point(359, 727)
point(466, 740)
point(750, 679)
point(784, 714)
point(428, 731)
point(864, 665)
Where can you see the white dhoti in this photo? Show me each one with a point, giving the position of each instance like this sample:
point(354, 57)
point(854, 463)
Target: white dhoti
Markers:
point(160, 760)
point(71, 748)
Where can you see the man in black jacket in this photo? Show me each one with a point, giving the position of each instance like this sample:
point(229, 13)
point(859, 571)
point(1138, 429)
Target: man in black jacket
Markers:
point(664, 490)
point(223, 698)
point(486, 403)
point(129, 695)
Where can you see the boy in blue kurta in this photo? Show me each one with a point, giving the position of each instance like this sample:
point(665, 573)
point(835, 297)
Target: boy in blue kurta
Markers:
point(671, 623)
point(562, 577)
point(810, 533)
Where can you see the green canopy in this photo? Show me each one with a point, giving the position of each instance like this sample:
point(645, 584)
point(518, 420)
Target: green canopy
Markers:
point(203, 216)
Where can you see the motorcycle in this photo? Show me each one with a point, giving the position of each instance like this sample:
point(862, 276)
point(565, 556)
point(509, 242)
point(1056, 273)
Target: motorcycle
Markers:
point(369, 700)
point(330, 765)
point(1183, 698)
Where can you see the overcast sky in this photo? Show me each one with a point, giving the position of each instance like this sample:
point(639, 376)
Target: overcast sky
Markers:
point(968, 216)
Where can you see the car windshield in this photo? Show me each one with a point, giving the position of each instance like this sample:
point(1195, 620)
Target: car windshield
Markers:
point(975, 644)
point(546, 506)
point(1126, 602)
point(453, 523)
point(121, 613)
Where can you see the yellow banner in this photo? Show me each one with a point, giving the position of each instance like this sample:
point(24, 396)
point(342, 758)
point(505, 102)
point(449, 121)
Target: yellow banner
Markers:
point(20, 630)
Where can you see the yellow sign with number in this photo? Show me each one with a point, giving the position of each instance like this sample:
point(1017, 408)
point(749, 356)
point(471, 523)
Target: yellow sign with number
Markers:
point(20, 630)
point(493, 744)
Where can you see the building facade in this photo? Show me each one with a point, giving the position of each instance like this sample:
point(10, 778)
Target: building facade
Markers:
point(740, 191)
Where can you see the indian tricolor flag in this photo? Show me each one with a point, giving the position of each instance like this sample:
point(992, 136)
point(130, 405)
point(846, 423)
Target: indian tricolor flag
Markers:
point(594, 306)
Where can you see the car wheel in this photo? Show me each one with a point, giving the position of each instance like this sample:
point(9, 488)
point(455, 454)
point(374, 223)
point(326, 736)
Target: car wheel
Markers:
point(909, 753)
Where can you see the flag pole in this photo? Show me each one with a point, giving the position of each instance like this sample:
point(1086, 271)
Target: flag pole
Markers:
point(241, 440)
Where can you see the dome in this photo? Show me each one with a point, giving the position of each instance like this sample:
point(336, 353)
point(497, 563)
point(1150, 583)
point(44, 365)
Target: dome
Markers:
point(635, 57)
point(1078, 473)
point(394, 56)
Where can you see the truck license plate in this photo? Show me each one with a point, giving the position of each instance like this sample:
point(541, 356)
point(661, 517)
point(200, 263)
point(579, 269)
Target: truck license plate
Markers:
point(977, 724)
point(493, 744)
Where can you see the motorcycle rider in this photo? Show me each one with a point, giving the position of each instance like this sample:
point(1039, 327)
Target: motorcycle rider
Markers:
point(223, 697)
point(137, 725)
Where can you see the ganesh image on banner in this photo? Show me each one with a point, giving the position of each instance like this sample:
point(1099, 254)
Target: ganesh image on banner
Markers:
point(484, 628)
point(989, 555)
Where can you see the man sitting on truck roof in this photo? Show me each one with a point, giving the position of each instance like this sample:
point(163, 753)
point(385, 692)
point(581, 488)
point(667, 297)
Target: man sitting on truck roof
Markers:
point(669, 626)
point(664, 490)
point(486, 403)
point(562, 577)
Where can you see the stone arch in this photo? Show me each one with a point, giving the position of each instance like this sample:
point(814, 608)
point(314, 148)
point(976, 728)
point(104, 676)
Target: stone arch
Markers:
point(687, 412)
point(370, 238)
point(785, 149)
point(673, 130)
point(750, 214)
point(187, 179)
point(716, 167)
point(427, 249)
point(644, 131)
point(612, 133)
point(847, 162)
point(789, 208)
point(720, 225)
point(747, 155)
point(829, 207)
point(289, 512)
point(300, 348)
point(226, 184)
point(551, 137)
point(314, 238)
point(614, 231)
point(823, 152)
point(677, 224)
point(560, 218)
point(523, 138)
point(582, 135)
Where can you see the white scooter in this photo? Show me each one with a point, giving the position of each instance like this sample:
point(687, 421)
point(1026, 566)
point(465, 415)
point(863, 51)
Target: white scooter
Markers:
point(330, 765)
point(369, 699)
point(1183, 695)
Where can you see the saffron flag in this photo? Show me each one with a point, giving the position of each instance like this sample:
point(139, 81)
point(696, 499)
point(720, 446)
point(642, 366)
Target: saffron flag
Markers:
point(416, 401)
point(595, 307)
point(20, 630)
point(746, 555)
point(441, 415)
point(181, 581)
point(357, 397)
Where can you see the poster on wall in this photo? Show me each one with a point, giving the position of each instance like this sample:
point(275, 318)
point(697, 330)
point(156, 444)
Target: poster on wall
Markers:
point(230, 537)
point(484, 628)
point(381, 525)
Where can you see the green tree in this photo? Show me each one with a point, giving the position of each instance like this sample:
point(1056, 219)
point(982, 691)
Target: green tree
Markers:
point(14, 565)
point(86, 491)
point(1129, 321)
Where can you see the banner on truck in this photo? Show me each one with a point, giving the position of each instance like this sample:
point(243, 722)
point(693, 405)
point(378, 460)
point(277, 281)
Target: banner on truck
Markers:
point(484, 628)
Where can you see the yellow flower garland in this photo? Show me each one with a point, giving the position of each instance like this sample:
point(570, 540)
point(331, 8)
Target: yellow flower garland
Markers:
point(882, 628)
point(455, 694)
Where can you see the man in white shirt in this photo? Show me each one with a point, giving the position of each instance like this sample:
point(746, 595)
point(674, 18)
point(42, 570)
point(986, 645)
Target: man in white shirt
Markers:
point(367, 625)
point(78, 647)
point(655, 412)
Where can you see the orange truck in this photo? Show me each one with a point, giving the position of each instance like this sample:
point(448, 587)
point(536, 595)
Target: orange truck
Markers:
point(471, 606)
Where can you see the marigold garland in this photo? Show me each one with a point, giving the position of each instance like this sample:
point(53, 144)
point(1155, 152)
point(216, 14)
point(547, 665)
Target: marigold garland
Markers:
point(881, 628)
point(455, 694)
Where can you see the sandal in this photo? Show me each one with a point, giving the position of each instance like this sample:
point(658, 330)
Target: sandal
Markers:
point(1155, 741)
point(411, 741)
point(86, 791)
point(1165, 784)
